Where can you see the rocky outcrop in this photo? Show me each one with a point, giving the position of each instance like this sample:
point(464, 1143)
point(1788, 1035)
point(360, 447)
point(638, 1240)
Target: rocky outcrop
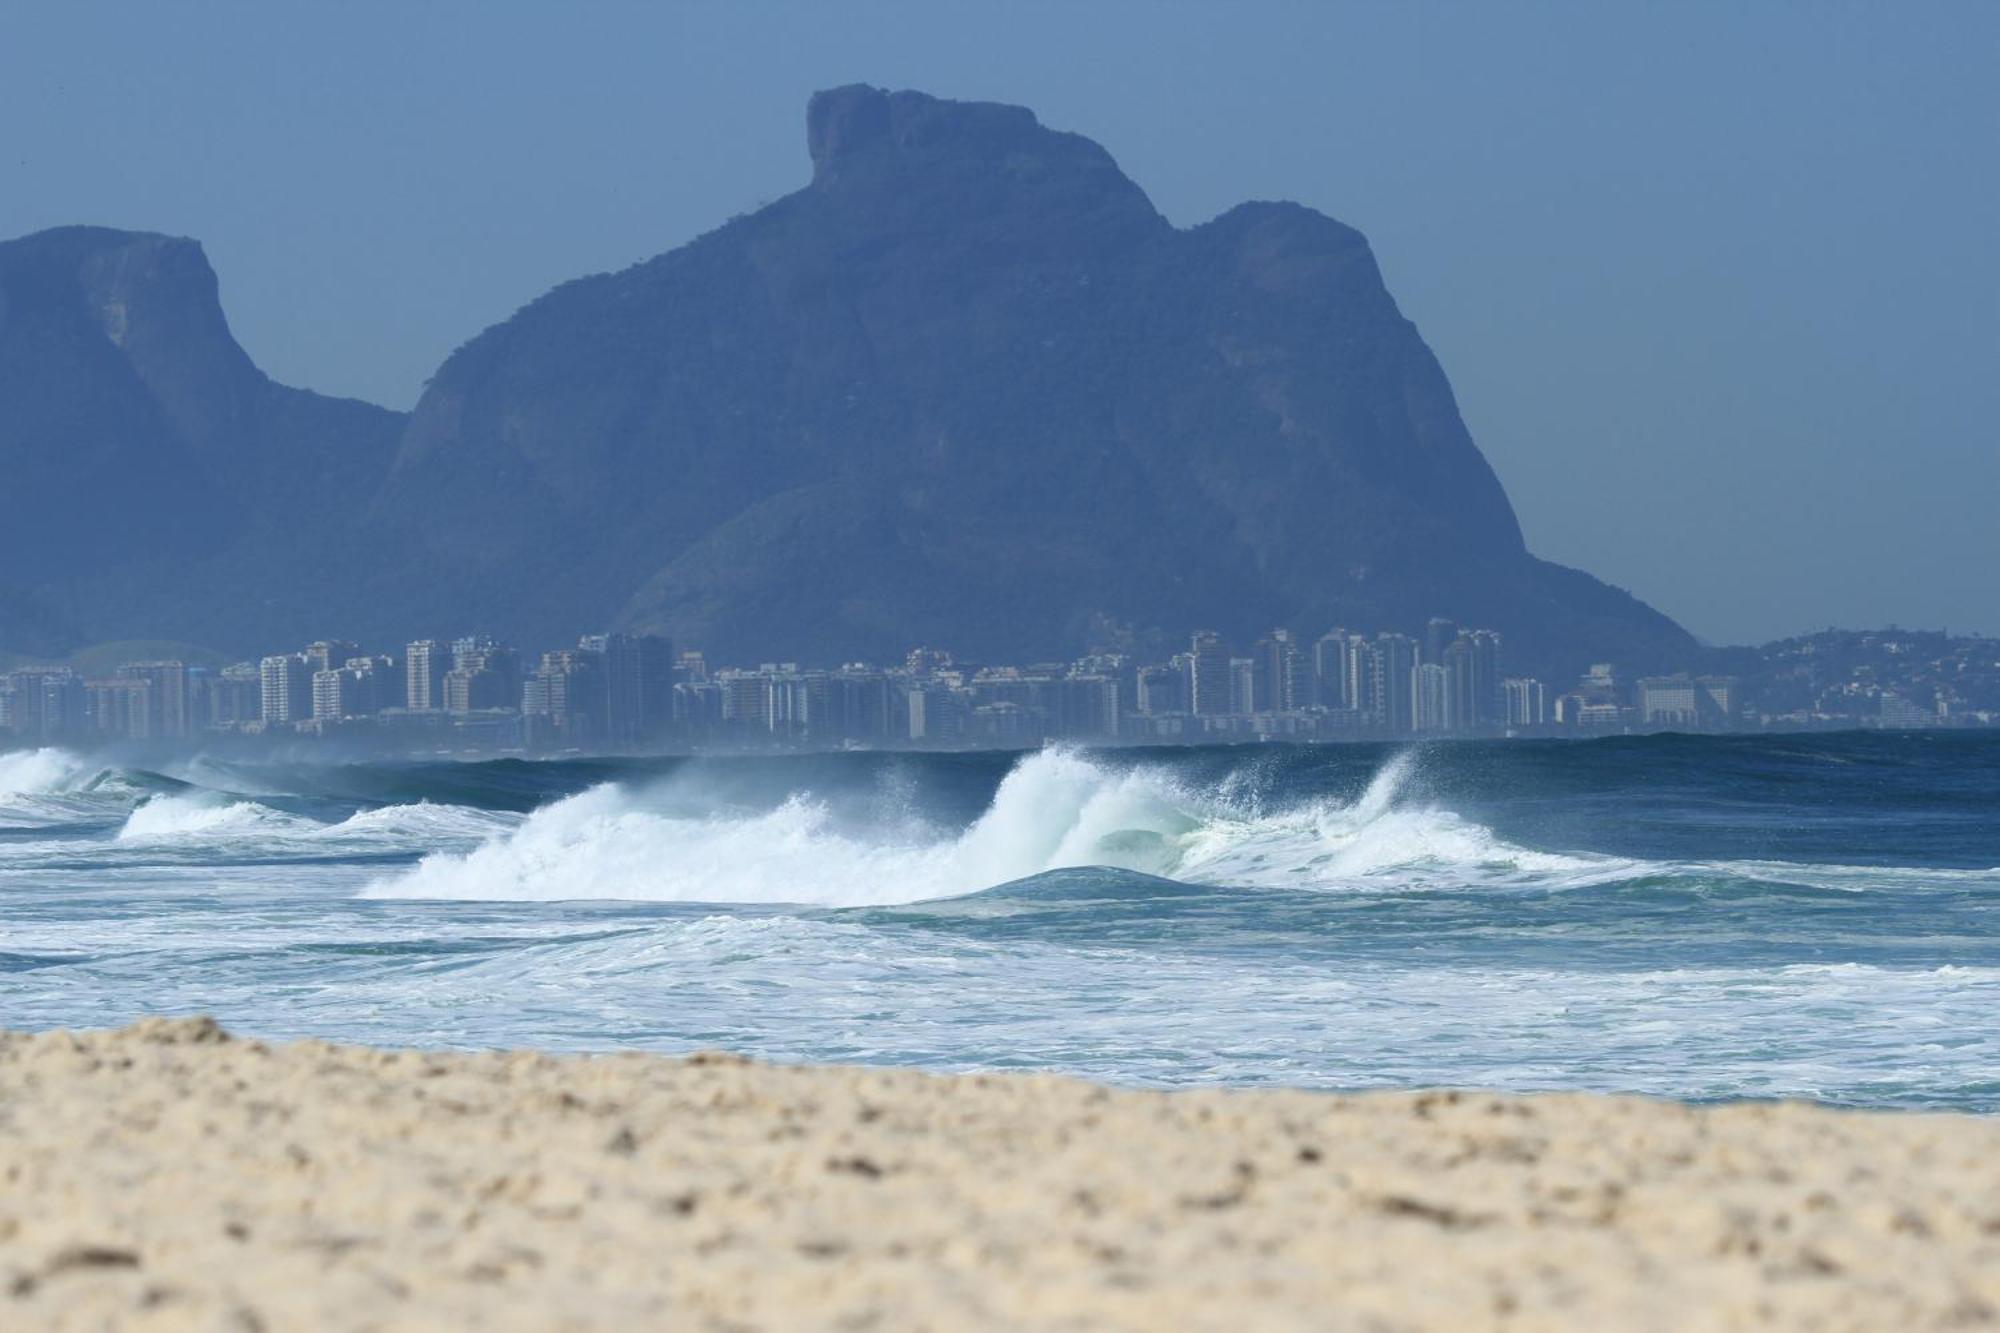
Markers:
point(968, 387)
point(157, 482)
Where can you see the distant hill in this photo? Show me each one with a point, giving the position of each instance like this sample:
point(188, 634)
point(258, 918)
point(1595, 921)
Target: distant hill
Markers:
point(967, 388)
point(157, 484)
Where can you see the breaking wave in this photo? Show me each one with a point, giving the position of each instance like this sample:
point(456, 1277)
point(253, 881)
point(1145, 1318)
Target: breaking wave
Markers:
point(1055, 810)
point(223, 826)
point(168, 818)
point(51, 787)
point(41, 772)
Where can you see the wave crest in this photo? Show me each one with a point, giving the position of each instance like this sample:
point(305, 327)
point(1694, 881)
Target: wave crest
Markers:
point(50, 787)
point(1055, 810)
point(43, 772)
point(168, 818)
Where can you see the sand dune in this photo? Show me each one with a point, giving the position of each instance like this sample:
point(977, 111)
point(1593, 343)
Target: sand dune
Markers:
point(166, 1177)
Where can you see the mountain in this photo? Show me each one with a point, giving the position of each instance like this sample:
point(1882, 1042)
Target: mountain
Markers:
point(968, 387)
point(156, 482)
point(965, 388)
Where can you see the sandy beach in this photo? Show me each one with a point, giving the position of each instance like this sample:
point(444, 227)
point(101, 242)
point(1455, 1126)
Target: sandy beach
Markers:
point(167, 1176)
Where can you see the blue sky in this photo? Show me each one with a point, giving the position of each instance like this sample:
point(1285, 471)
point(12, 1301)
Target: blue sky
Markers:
point(1716, 284)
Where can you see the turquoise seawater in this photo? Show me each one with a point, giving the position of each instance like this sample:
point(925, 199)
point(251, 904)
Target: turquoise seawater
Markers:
point(1809, 916)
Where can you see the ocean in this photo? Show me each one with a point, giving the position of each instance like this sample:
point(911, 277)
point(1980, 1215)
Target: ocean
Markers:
point(1811, 916)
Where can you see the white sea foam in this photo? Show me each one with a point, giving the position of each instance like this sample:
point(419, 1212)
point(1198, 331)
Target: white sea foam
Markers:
point(422, 824)
point(1055, 810)
point(52, 787)
point(1854, 878)
point(188, 815)
point(220, 823)
point(42, 772)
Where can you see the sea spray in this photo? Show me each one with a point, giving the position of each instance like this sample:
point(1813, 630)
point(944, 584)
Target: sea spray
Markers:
point(1055, 809)
point(169, 817)
point(51, 788)
point(1683, 916)
point(42, 772)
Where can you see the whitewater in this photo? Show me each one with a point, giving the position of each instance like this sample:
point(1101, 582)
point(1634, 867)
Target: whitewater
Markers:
point(1700, 918)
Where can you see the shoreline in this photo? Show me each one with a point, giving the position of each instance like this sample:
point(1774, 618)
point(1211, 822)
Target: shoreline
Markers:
point(167, 1176)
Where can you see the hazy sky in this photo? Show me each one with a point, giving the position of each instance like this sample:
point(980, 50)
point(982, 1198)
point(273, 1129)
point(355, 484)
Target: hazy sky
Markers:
point(1716, 284)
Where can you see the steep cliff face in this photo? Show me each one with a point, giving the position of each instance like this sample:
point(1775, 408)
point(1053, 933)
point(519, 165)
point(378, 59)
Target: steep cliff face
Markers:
point(157, 483)
point(98, 472)
point(968, 387)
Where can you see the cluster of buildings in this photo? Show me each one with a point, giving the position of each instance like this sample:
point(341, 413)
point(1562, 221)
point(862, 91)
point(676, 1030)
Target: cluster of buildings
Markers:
point(621, 692)
point(612, 690)
point(616, 692)
point(1875, 678)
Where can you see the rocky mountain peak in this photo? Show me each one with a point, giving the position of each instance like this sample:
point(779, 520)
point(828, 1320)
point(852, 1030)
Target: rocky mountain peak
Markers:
point(965, 387)
point(894, 154)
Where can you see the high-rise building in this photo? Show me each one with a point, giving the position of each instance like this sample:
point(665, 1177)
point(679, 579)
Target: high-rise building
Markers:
point(1431, 698)
point(745, 701)
point(1330, 670)
point(286, 688)
point(1896, 710)
point(478, 690)
point(620, 710)
point(937, 712)
point(794, 701)
point(47, 704)
point(123, 708)
point(200, 695)
point(172, 708)
point(1527, 702)
point(382, 683)
point(1460, 686)
point(566, 691)
point(425, 662)
point(1209, 676)
point(697, 709)
point(1281, 685)
point(1395, 659)
point(1669, 701)
point(1160, 691)
point(235, 696)
point(484, 675)
point(342, 692)
point(1243, 698)
point(870, 709)
point(1715, 696)
point(1439, 635)
point(1087, 707)
point(637, 678)
point(656, 686)
point(62, 704)
point(1485, 687)
point(1361, 685)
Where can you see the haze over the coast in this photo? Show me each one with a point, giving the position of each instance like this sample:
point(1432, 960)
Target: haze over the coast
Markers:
point(1713, 285)
point(999, 666)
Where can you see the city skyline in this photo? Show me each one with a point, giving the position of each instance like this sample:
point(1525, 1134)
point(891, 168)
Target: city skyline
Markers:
point(625, 693)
